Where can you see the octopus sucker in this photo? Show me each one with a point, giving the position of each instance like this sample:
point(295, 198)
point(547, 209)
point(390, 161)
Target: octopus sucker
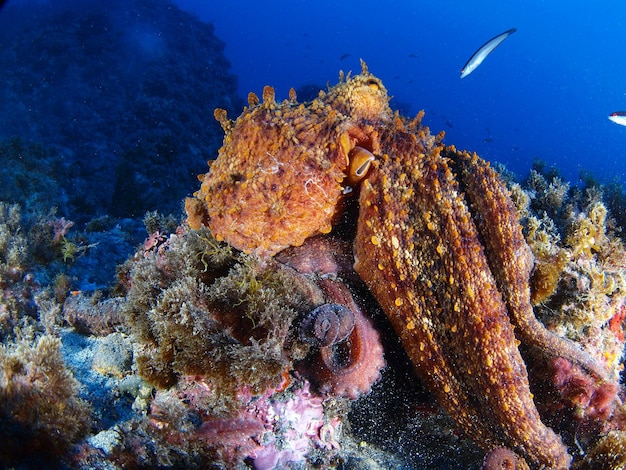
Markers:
point(484, 340)
point(347, 353)
point(327, 324)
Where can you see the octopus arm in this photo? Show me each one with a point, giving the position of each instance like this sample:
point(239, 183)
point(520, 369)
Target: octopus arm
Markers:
point(505, 246)
point(419, 252)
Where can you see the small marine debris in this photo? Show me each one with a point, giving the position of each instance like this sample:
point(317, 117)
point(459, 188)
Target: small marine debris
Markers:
point(483, 51)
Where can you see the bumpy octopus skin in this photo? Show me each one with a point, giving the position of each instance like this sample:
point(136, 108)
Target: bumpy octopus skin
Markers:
point(279, 176)
point(420, 253)
point(506, 248)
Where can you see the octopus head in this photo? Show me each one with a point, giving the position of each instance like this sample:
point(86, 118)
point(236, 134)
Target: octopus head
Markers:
point(362, 97)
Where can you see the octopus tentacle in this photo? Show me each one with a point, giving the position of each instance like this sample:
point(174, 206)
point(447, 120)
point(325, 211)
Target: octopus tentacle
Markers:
point(501, 233)
point(420, 253)
point(327, 324)
point(347, 354)
point(349, 367)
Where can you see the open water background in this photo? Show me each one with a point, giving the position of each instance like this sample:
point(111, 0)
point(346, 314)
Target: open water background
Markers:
point(545, 93)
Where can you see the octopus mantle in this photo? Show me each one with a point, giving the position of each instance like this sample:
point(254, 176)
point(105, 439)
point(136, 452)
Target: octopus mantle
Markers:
point(438, 243)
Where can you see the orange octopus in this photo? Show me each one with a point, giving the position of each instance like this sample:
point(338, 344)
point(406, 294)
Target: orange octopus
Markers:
point(438, 243)
point(279, 176)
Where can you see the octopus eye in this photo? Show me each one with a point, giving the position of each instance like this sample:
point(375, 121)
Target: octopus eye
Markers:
point(373, 84)
point(360, 161)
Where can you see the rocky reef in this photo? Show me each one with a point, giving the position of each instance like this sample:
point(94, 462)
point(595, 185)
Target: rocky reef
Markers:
point(344, 281)
point(41, 412)
point(116, 96)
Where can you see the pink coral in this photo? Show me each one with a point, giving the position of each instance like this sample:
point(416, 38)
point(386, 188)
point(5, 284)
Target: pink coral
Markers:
point(594, 403)
point(295, 425)
point(60, 227)
point(576, 401)
point(272, 430)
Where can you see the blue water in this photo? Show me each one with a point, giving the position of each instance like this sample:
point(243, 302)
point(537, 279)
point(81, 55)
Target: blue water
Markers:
point(544, 93)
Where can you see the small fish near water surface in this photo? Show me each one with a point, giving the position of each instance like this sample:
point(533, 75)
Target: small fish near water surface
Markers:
point(483, 51)
point(618, 117)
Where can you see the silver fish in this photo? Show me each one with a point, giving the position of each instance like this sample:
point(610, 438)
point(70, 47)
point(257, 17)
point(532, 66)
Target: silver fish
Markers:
point(482, 53)
point(618, 117)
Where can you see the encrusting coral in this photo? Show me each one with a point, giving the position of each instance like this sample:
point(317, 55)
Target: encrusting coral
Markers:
point(609, 453)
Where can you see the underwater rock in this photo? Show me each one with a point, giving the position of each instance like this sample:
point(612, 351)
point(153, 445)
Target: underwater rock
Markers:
point(113, 355)
point(123, 128)
point(93, 316)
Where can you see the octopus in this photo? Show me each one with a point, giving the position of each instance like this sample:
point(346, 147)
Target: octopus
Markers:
point(279, 176)
point(347, 353)
point(438, 243)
